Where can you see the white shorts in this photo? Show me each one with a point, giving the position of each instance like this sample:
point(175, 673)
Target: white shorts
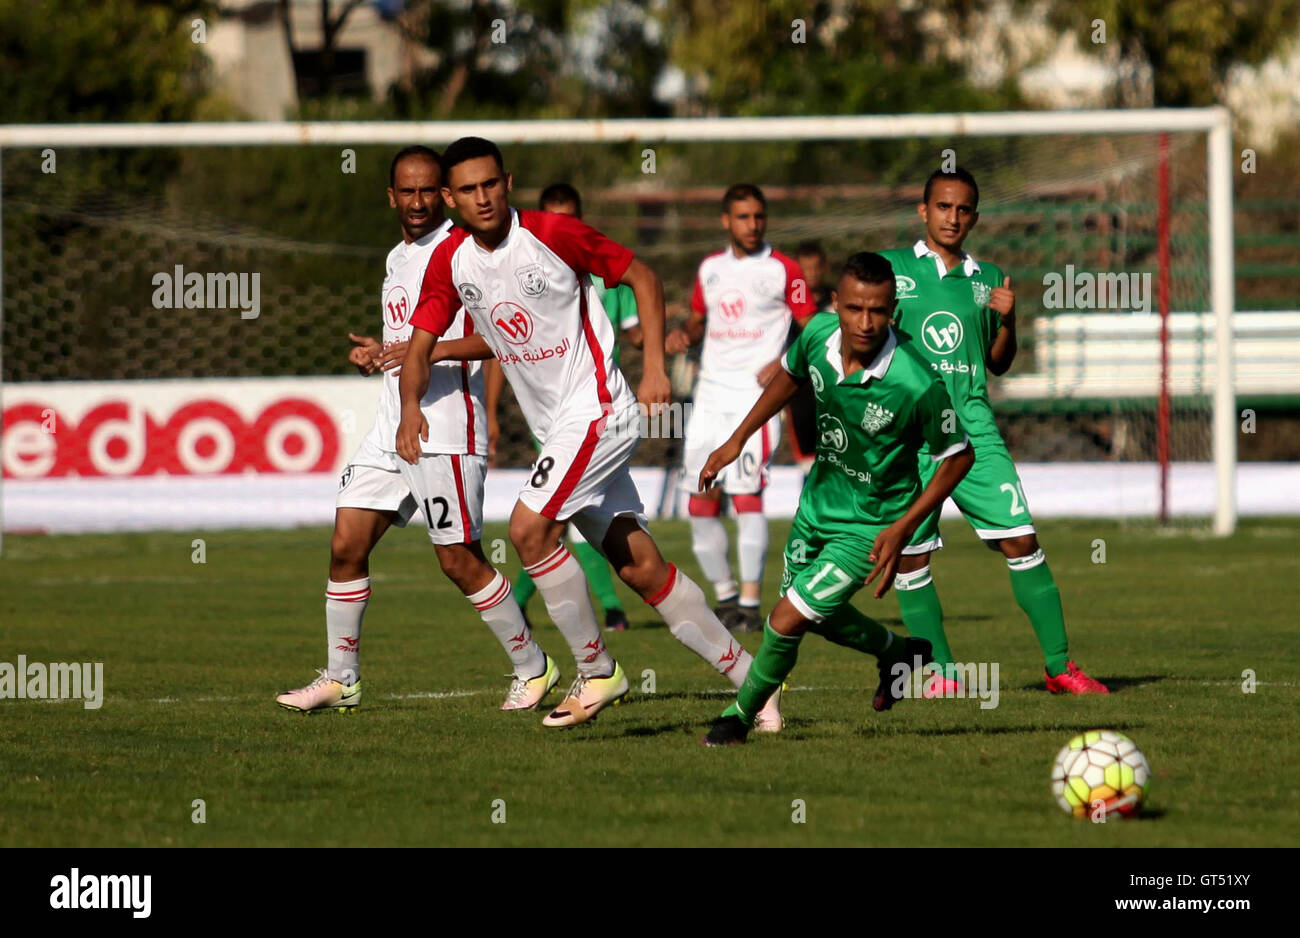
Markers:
point(707, 431)
point(448, 487)
point(581, 475)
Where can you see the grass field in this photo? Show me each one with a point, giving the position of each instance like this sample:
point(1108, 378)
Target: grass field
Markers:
point(194, 653)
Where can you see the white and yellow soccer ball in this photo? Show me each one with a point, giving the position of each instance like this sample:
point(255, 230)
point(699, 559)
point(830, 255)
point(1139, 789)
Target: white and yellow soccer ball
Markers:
point(1100, 773)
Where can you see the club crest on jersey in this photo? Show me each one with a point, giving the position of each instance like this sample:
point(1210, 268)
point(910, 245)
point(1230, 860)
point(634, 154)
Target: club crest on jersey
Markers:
point(981, 292)
point(875, 418)
point(471, 295)
point(532, 280)
point(818, 382)
point(905, 287)
point(831, 433)
point(769, 288)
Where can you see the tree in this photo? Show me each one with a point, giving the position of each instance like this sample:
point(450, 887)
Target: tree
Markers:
point(1178, 53)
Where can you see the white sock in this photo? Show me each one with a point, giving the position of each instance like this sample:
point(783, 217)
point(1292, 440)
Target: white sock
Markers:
point(496, 604)
point(709, 542)
point(751, 545)
point(563, 585)
point(345, 604)
point(686, 610)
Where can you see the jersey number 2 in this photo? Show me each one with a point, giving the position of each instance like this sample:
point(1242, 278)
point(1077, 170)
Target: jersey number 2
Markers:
point(1017, 497)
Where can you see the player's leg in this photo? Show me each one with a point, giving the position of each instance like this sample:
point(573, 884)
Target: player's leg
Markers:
point(370, 500)
point(566, 470)
point(818, 584)
point(449, 491)
point(601, 580)
point(744, 483)
point(993, 501)
point(918, 599)
point(708, 536)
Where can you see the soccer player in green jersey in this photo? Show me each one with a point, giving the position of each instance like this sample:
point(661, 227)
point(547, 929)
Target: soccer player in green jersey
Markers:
point(620, 307)
point(960, 315)
point(878, 405)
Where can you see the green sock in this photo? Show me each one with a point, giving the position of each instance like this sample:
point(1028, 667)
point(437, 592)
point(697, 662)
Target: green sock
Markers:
point(853, 629)
point(597, 570)
point(1036, 592)
point(524, 588)
point(774, 661)
point(918, 601)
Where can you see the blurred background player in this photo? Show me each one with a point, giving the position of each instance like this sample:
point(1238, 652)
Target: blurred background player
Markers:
point(378, 490)
point(746, 296)
point(878, 403)
point(620, 306)
point(801, 415)
point(960, 315)
point(524, 278)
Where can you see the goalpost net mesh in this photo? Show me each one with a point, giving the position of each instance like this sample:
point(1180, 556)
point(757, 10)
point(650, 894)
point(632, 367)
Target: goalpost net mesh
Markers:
point(83, 243)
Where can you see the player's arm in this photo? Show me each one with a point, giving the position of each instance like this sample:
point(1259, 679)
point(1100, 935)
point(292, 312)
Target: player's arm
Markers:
point(649, 292)
point(690, 332)
point(494, 381)
point(471, 348)
point(411, 386)
point(365, 353)
point(888, 547)
point(1002, 352)
point(687, 334)
point(951, 448)
point(779, 391)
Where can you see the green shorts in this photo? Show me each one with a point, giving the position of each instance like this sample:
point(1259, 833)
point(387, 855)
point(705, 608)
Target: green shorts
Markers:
point(990, 496)
point(824, 569)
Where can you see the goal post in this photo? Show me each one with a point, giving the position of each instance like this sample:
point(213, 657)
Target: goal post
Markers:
point(1214, 123)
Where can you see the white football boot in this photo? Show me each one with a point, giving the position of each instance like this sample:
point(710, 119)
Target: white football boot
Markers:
point(526, 694)
point(322, 694)
point(588, 696)
point(769, 719)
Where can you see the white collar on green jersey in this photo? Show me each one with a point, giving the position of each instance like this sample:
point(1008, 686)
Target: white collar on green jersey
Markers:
point(969, 265)
point(878, 366)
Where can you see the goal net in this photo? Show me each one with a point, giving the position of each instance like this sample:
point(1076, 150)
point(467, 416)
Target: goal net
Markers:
point(1107, 236)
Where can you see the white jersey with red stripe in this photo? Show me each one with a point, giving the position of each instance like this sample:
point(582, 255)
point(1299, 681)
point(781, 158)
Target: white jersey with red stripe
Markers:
point(454, 402)
point(532, 300)
point(748, 303)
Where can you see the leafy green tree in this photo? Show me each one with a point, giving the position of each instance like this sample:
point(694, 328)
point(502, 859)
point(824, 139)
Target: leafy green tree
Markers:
point(1187, 47)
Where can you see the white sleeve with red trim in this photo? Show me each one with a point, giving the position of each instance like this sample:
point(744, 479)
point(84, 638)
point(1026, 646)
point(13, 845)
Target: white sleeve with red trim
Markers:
point(439, 300)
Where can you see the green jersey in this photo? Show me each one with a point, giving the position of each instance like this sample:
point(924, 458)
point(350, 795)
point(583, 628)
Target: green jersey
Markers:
point(947, 320)
point(870, 427)
point(620, 306)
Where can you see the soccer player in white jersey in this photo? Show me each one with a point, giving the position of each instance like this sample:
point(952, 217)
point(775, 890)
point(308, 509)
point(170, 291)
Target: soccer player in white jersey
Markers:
point(746, 297)
point(525, 278)
point(378, 490)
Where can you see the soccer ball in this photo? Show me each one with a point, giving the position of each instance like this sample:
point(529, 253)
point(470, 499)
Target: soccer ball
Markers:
point(1100, 769)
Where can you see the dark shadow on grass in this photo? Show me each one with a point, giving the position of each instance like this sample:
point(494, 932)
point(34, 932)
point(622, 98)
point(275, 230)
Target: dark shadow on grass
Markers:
point(1151, 814)
point(1114, 684)
point(947, 620)
point(880, 731)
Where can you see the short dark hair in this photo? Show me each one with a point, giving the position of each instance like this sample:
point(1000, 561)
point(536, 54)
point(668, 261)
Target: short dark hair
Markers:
point(869, 267)
point(742, 190)
point(958, 174)
point(560, 193)
point(415, 150)
point(810, 249)
point(469, 148)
